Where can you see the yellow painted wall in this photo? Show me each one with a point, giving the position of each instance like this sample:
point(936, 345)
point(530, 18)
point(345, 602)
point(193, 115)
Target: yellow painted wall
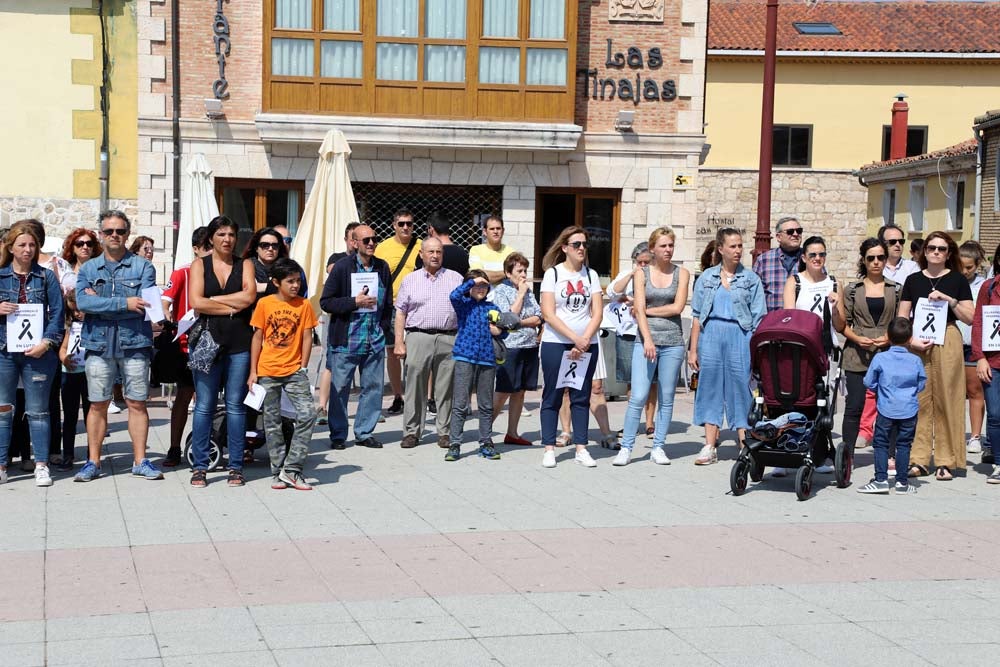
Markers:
point(936, 217)
point(846, 103)
point(49, 123)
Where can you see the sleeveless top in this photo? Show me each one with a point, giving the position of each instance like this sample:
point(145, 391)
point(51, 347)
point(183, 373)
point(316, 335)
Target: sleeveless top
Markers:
point(663, 331)
point(233, 334)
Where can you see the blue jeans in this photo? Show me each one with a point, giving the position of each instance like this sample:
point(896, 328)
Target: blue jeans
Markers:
point(884, 429)
point(232, 370)
point(342, 366)
point(552, 398)
point(36, 375)
point(665, 370)
point(991, 392)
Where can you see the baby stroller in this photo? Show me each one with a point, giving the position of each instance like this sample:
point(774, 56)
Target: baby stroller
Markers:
point(217, 439)
point(792, 419)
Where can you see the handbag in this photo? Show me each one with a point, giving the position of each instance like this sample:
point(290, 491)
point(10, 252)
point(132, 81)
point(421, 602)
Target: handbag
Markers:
point(202, 348)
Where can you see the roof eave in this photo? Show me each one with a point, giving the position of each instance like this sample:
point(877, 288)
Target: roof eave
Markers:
point(902, 55)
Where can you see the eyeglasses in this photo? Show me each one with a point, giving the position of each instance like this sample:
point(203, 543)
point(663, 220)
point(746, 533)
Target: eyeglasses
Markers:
point(577, 244)
point(111, 231)
point(266, 245)
point(404, 223)
point(875, 258)
point(368, 240)
point(287, 240)
point(936, 248)
point(894, 241)
point(794, 231)
point(84, 244)
point(816, 255)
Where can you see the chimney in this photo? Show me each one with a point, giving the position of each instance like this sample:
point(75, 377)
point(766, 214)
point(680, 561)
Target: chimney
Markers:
point(900, 121)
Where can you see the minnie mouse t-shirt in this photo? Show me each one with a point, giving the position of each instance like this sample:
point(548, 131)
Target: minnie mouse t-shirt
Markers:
point(573, 293)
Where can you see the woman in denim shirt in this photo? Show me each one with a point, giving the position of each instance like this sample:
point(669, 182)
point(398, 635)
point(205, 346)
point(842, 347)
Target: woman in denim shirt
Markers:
point(23, 281)
point(727, 306)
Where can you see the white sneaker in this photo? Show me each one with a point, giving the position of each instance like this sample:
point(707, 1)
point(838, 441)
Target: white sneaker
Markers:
point(779, 472)
point(975, 445)
point(623, 457)
point(659, 457)
point(113, 408)
point(583, 458)
point(3, 475)
point(826, 468)
point(549, 459)
point(42, 477)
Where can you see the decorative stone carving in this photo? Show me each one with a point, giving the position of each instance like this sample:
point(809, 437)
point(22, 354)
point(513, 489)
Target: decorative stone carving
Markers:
point(647, 11)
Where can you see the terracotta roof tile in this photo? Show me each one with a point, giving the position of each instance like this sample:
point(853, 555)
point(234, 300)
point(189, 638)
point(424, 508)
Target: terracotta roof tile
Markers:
point(967, 147)
point(867, 25)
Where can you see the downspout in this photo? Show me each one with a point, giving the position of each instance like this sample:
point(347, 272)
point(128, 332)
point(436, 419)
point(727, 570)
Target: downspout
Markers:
point(980, 168)
point(175, 76)
point(105, 163)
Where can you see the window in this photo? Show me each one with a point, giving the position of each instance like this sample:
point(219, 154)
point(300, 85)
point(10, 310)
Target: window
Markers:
point(916, 140)
point(594, 210)
point(253, 205)
point(956, 203)
point(817, 29)
point(476, 59)
point(889, 206)
point(792, 145)
point(918, 203)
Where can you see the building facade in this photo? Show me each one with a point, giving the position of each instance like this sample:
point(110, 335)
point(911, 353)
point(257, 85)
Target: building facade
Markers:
point(987, 127)
point(548, 112)
point(839, 67)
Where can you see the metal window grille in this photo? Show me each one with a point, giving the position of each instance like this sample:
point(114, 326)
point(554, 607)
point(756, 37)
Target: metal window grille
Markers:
point(466, 207)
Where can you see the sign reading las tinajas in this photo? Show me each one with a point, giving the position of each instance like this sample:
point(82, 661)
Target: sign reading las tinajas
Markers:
point(636, 10)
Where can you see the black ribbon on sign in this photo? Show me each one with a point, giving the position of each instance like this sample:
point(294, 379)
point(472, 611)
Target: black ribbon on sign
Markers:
point(25, 330)
point(76, 347)
point(817, 300)
point(996, 329)
point(572, 370)
point(929, 323)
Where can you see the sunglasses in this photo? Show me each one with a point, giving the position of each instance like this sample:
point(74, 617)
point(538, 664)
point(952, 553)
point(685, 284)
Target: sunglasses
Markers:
point(112, 231)
point(368, 240)
point(265, 245)
point(404, 223)
point(85, 244)
point(894, 241)
point(815, 255)
point(875, 258)
point(794, 231)
point(936, 248)
point(577, 244)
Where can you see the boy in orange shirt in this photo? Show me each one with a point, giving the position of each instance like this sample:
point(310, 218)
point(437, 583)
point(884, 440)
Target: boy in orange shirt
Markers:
point(279, 354)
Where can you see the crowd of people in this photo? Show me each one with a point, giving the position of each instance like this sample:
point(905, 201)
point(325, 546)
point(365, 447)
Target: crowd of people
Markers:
point(447, 325)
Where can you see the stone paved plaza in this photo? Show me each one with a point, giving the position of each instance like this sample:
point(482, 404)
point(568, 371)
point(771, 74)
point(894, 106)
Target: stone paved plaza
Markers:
point(398, 558)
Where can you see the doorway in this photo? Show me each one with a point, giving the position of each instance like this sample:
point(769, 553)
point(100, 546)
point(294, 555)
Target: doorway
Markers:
point(594, 210)
point(254, 204)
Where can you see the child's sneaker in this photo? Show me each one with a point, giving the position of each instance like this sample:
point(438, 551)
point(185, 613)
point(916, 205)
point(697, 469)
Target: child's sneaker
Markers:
point(294, 480)
point(146, 470)
point(975, 445)
point(874, 487)
point(901, 488)
point(487, 451)
point(453, 453)
point(88, 472)
point(994, 478)
point(277, 484)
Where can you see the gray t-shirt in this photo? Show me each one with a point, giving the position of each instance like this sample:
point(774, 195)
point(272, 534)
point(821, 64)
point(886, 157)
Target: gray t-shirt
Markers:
point(665, 331)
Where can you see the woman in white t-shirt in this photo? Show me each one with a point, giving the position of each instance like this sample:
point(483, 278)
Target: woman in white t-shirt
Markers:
point(572, 308)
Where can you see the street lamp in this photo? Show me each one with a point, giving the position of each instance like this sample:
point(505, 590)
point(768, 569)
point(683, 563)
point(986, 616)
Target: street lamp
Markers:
point(762, 237)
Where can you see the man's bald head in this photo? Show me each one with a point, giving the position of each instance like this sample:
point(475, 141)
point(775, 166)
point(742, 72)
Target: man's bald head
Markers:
point(432, 254)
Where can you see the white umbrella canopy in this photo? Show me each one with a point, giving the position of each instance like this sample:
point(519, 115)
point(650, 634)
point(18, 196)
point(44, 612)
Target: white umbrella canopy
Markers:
point(198, 205)
point(328, 210)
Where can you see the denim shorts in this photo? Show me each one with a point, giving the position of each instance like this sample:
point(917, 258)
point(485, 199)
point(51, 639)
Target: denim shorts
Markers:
point(134, 371)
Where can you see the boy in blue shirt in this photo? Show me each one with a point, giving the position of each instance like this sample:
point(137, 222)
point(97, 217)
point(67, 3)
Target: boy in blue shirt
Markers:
point(896, 376)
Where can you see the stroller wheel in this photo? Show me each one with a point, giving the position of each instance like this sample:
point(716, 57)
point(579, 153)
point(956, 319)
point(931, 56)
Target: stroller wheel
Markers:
point(843, 465)
point(214, 452)
point(756, 471)
point(738, 477)
point(803, 482)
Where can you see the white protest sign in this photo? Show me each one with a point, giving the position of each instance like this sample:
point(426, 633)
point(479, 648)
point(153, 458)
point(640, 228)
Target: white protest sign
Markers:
point(815, 296)
point(185, 323)
point(572, 372)
point(24, 327)
point(154, 297)
point(621, 314)
point(255, 397)
point(74, 346)
point(930, 319)
point(367, 284)
point(991, 328)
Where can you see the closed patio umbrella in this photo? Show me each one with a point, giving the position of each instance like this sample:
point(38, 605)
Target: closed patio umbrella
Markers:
point(198, 205)
point(328, 210)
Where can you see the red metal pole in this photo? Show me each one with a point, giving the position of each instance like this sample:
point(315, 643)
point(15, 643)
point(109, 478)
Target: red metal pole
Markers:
point(762, 238)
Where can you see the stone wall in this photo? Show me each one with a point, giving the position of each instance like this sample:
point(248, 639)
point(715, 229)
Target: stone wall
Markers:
point(831, 204)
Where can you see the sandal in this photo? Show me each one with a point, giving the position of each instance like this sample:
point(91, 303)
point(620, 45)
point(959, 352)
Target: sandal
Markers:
point(198, 479)
point(564, 439)
point(918, 471)
point(236, 478)
point(943, 474)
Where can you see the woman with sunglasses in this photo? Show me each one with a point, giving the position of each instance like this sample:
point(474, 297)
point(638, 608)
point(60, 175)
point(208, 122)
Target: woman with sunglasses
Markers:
point(79, 246)
point(572, 309)
point(265, 248)
point(941, 424)
point(868, 306)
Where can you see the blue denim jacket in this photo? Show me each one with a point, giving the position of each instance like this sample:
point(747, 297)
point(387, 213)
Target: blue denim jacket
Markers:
point(109, 308)
point(746, 290)
point(42, 287)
